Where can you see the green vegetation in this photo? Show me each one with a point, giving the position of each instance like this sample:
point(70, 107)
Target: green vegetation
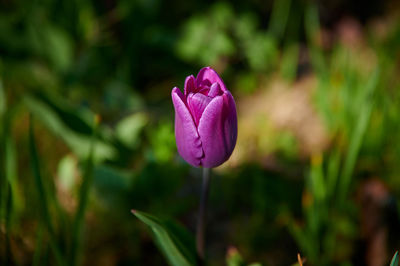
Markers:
point(86, 132)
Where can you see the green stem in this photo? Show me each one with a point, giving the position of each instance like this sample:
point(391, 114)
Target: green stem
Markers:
point(201, 222)
point(83, 201)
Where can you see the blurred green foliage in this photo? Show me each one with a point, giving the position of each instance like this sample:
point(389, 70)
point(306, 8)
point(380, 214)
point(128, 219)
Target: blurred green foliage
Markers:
point(67, 183)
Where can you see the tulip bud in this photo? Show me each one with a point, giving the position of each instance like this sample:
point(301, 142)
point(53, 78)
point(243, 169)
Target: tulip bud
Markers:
point(205, 120)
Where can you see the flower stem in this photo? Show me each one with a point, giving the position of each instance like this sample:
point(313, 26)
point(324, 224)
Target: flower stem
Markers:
point(201, 219)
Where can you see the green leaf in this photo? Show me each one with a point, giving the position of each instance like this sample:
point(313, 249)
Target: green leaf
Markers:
point(79, 220)
point(42, 193)
point(234, 258)
point(176, 250)
point(77, 141)
point(163, 142)
point(12, 176)
point(3, 103)
point(356, 140)
point(129, 128)
point(59, 46)
point(67, 172)
point(317, 178)
point(279, 17)
point(261, 52)
point(395, 259)
point(289, 61)
point(43, 196)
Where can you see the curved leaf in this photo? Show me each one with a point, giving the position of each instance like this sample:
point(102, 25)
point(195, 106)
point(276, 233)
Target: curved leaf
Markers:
point(395, 259)
point(170, 245)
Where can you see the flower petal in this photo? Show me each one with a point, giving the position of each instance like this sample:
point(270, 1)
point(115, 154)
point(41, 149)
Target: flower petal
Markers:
point(214, 90)
point(197, 102)
point(212, 133)
point(230, 123)
point(187, 138)
point(207, 73)
point(190, 85)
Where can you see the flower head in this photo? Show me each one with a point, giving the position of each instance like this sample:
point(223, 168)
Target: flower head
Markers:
point(205, 120)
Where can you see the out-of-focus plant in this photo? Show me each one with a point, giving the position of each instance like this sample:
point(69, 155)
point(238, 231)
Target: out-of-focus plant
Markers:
point(206, 38)
point(348, 96)
point(395, 259)
point(329, 226)
point(222, 36)
point(51, 224)
point(233, 258)
point(10, 195)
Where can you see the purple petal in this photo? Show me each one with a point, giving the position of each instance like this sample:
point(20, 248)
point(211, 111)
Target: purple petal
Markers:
point(204, 84)
point(214, 90)
point(207, 73)
point(187, 138)
point(197, 102)
point(230, 123)
point(215, 134)
point(204, 89)
point(190, 85)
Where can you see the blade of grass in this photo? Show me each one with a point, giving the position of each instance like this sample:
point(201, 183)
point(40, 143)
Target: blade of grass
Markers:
point(3, 102)
point(318, 186)
point(3, 180)
point(312, 27)
point(6, 196)
point(302, 238)
point(395, 259)
point(289, 62)
point(83, 200)
point(279, 17)
point(44, 204)
point(11, 175)
point(38, 180)
point(333, 172)
point(10, 199)
point(8, 202)
point(3, 200)
point(38, 247)
point(357, 138)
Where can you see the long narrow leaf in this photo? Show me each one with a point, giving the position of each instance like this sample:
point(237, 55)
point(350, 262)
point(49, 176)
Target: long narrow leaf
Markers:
point(83, 201)
point(78, 142)
point(312, 28)
point(279, 17)
point(176, 253)
point(357, 137)
point(44, 204)
point(11, 173)
point(38, 247)
point(395, 259)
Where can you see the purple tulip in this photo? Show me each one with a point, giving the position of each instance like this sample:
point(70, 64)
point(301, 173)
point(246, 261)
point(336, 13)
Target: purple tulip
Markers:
point(205, 120)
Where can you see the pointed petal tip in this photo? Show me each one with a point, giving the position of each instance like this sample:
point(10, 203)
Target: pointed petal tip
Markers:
point(214, 90)
point(177, 96)
point(208, 73)
point(175, 90)
point(190, 84)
